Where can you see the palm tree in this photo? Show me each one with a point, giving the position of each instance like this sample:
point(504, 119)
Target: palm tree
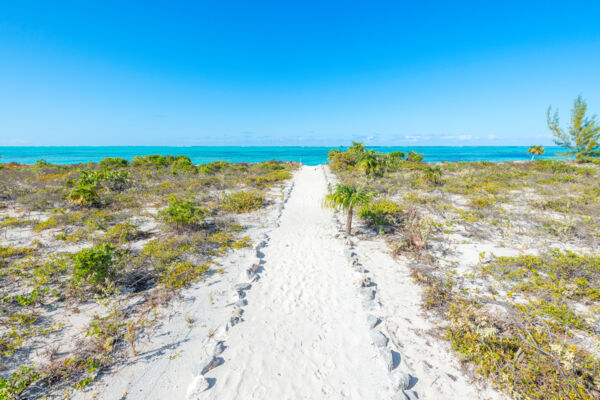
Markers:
point(535, 151)
point(371, 164)
point(433, 174)
point(584, 133)
point(346, 197)
point(357, 147)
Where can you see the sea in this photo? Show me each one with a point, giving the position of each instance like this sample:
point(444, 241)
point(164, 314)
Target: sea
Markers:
point(305, 155)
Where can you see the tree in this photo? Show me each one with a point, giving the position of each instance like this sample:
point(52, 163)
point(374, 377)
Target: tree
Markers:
point(535, 151)
point(583, 135)
point(347, 197)
point(371, 163)
point(357, 147)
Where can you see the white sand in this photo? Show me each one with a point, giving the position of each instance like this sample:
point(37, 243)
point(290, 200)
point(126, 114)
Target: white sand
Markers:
point(305, 334)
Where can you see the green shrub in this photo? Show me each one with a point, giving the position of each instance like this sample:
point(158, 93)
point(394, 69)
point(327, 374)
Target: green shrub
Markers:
point(382, 212)
point(109, 162)
point(85, 195)
point(122, 233)
point(433, 174)
point(240, 202)
point(481, 202)
point(414, 156)
point(183, 166)
point(266, 180)
point(152, 160)
point(212, 167)
point(180, 274)
point(94, 265)
point(182, 213)
point(51, 222)
point(396, 154)
point(114, 179)
point(14, 385)
point(562, 275)
point(111, 179)
point(525, 359)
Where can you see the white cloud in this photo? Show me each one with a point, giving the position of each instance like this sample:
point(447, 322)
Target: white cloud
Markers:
point(412, 138)
point(492, 137)
point(461, 138)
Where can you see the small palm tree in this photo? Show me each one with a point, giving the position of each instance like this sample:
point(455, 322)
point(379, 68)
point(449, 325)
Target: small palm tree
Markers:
point(357, 147)
point(535, 151)
point(433, 174)
point(584, 133)
point(347, 197)
point(371, 164)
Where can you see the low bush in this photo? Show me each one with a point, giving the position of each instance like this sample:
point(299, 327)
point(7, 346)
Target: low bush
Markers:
point(266, 180)
point(85, 195)
point(183, 166)
point(382, 212)
point(527, 359)
point(244, 201)
point(212, 167)
point(152, 160)
point(182, 213)
point(94, 265)
point(110, 163)
point(122, 233)
point(181, 274)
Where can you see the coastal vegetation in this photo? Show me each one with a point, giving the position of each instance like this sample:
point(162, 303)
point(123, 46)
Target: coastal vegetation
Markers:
point(506, 254)
point(583, 136)
point(347, 197)
point(106, 246)
point(536, 151)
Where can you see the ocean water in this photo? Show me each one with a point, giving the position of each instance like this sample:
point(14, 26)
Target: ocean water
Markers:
point(306, 155)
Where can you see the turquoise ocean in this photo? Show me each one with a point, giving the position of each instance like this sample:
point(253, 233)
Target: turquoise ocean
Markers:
point(306, 155)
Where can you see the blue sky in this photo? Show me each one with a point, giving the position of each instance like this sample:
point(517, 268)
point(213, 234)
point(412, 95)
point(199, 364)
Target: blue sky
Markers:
point(283, 73)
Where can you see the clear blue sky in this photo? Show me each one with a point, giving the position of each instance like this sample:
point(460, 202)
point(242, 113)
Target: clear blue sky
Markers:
point(309, 73)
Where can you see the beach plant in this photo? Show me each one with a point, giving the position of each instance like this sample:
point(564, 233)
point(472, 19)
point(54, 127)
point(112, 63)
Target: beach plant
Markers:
point(583, 136)
point(433, 174)
point(381, 213)
point(371, 164)
point(212, 167)
point(85, 194)
point(94, 265)
point(123, 232)
point(113, 162)
point(243, 201)
point(183, 166)
point(535, 151)
point(413, 156)
point(357, 147)
point(154, 160)
point(347, 197)
point(182, 213)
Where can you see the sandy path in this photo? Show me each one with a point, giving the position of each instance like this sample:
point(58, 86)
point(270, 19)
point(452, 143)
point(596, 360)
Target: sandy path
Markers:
point(304, 334)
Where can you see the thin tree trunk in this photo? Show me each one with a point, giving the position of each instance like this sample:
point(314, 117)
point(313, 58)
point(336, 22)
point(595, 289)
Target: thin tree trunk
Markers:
point(349, 221)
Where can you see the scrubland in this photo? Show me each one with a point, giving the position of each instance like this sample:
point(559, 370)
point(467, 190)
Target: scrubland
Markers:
point(507, 255)
point(91, 253)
